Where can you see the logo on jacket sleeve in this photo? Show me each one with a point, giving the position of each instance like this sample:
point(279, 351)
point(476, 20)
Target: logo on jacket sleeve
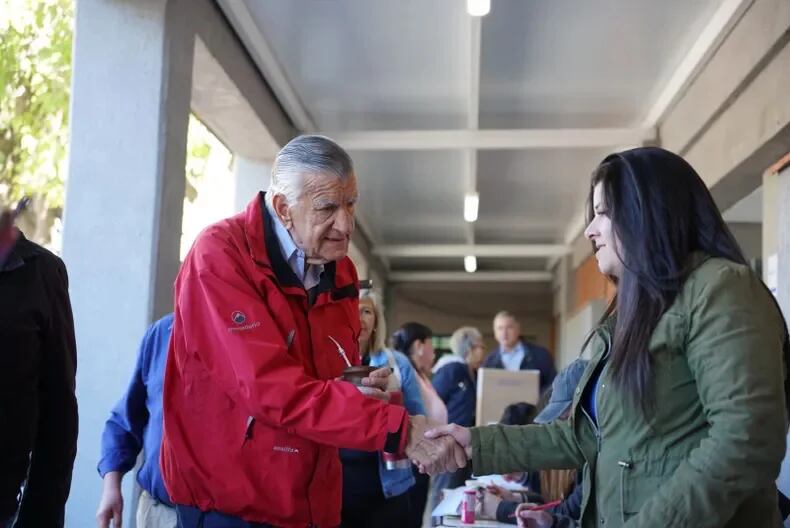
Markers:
point(238, 317)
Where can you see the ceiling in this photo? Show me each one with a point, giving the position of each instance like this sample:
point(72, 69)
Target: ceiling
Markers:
point(519, 105)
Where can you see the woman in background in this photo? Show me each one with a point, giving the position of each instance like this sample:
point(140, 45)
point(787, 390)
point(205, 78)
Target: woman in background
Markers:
point(372, 494)
point(454, 378)
point(414, 340)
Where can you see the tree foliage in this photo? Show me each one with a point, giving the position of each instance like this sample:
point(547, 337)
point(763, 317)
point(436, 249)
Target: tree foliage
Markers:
point(35, 73)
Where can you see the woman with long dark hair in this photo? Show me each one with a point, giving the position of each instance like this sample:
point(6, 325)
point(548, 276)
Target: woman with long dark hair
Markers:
point(680, 417)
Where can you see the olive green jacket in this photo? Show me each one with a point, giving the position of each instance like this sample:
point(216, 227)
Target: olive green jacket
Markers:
point(711, 450)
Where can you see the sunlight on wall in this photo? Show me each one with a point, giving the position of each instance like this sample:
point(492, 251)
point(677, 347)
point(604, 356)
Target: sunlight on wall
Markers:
point(210, 186)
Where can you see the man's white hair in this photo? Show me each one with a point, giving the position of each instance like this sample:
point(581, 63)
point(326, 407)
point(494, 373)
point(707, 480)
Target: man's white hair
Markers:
point(308, 154)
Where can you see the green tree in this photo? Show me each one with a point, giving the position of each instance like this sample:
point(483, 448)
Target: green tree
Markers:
point(35, 73)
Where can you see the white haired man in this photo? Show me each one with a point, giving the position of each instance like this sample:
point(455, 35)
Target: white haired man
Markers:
point(264, 304)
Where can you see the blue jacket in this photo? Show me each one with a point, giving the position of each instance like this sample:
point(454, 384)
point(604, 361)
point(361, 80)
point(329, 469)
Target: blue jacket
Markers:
point(135, 422)
point(456, 388)
point(535, 357)
point(394, 482)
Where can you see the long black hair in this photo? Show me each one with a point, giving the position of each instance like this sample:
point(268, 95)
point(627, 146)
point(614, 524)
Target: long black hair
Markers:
point(661, 213)
point(406, 335)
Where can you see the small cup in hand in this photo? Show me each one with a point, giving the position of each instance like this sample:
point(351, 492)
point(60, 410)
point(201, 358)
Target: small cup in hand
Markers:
point(356, 374)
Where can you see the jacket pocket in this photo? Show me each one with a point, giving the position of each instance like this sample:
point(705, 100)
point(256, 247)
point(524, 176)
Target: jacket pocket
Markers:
point(640, 479)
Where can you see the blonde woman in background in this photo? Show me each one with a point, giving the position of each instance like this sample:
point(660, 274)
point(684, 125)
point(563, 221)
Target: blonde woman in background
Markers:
point(372, 494)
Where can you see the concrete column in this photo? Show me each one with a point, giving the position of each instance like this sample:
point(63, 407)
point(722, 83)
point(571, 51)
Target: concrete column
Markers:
point(783, 246)
point(129, 113)
point(563, 304)
point(776, 245)
point(249, 176)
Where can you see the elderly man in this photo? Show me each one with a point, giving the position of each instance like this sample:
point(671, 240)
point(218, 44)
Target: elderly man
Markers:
point(266, 310)
point(513, 353)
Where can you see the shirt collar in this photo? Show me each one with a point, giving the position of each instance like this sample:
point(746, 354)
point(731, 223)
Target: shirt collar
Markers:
point(519, 348)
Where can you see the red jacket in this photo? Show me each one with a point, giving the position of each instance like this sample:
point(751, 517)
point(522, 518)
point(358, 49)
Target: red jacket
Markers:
point(252, 418)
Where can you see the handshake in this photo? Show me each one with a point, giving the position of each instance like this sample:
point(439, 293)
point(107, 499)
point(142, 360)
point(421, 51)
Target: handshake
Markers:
point(432, 447)
point(438, 448)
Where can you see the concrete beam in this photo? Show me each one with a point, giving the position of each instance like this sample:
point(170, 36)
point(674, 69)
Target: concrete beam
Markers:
point(226, 48)
point(740, 57)
point(719, 25)
point(478, 250)
point(491, 139)
point(267, 62)
point(753, 133)
point(221, 106)
point(462, 276)
point(734, 121)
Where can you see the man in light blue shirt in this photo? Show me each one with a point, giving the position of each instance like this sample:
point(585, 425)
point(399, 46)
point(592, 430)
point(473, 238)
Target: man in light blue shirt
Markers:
point(513, 353)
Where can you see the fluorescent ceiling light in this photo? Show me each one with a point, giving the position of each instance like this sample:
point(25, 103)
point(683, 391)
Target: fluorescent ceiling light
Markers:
point(470, 263)
point(471, 203)
point(478, 8)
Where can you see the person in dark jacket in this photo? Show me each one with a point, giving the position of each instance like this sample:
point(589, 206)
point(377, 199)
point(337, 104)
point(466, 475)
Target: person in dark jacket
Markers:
point(38, 362)
point(454, 380)
point(513, 353)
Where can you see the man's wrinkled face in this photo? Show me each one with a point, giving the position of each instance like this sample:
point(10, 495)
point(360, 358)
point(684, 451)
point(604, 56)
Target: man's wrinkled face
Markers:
point(322, 220)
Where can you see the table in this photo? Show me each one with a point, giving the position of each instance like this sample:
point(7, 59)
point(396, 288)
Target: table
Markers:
point(450, 521)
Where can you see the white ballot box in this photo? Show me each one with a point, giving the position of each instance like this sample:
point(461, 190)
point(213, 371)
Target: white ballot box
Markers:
point(498, 388)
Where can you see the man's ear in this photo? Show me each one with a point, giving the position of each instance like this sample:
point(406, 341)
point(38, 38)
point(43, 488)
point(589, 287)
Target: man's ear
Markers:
point(282, 210)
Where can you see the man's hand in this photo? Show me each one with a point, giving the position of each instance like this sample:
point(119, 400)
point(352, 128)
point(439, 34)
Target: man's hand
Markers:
point(378, 379)
point(433, 455)
point(376, 394)
point(111, 504)
point(460, 434)
point(533, 518)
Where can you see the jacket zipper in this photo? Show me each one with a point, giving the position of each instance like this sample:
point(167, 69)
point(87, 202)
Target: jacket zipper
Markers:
point(596, 429)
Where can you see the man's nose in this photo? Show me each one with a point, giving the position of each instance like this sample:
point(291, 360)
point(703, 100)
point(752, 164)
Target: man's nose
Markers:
point(344, 222)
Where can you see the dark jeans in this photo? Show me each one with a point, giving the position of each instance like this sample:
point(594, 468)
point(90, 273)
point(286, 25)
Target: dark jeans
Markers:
point(418, 497)
point(189, 517)
point(375, 511)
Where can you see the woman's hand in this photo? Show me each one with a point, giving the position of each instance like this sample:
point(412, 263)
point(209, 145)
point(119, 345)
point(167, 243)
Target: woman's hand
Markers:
point(528, 518)
point(489, 502)
point(504, 494)
point(462, 435)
